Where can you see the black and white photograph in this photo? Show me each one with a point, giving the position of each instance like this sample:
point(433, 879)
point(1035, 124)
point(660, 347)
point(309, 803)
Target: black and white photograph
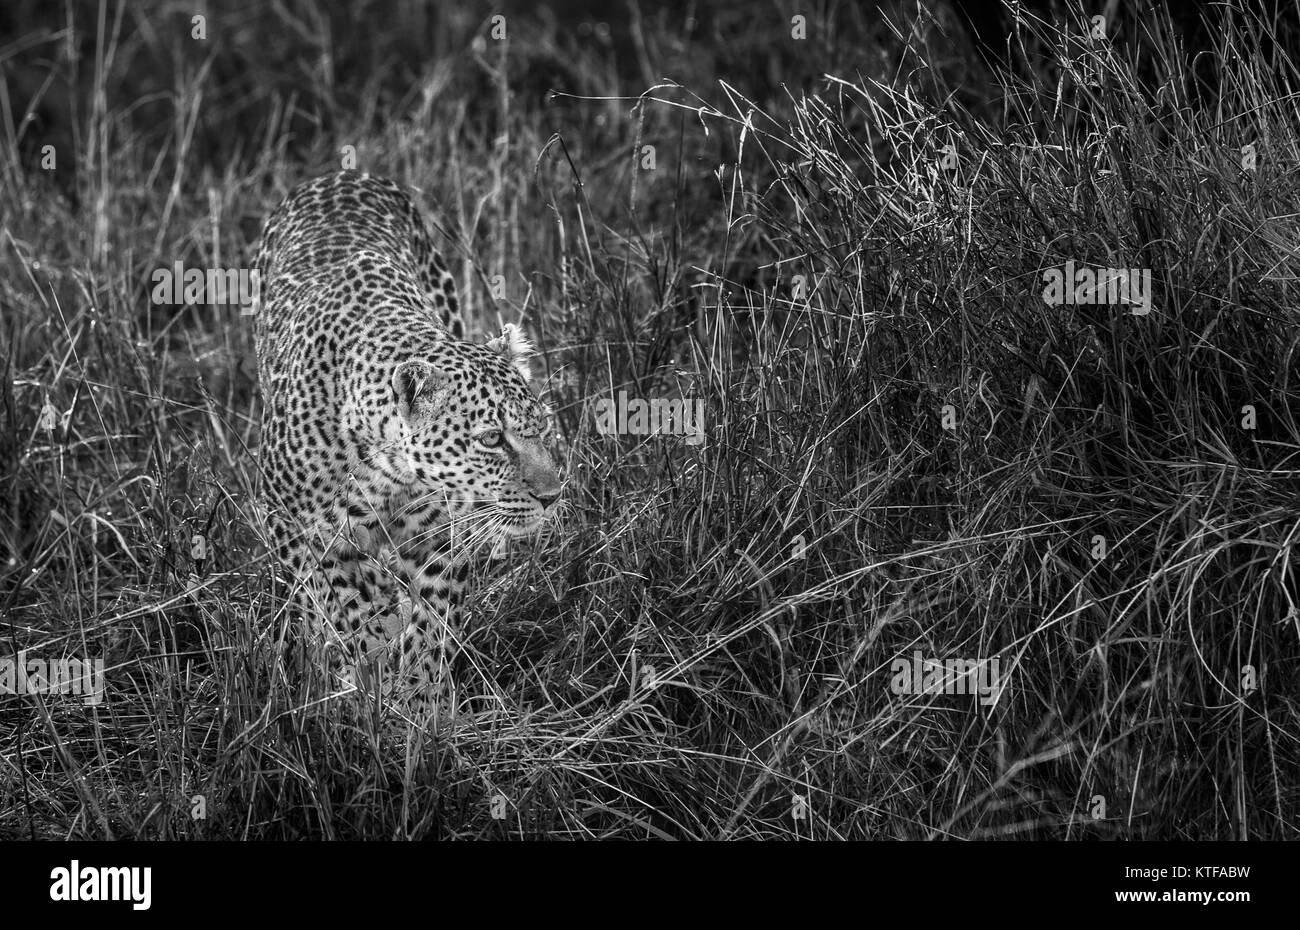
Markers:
point(832, 422)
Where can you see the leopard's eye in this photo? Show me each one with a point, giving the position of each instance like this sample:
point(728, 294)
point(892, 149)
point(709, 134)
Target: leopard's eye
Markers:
point(491, 439)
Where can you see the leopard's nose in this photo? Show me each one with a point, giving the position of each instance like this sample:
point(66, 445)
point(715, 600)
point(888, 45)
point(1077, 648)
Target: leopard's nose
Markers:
point(547, 497)
point(539, 474)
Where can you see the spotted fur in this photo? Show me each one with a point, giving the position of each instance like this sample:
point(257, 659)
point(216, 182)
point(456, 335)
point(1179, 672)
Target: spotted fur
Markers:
point(393, 451)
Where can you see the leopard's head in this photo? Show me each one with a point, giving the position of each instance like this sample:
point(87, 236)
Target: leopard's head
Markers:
point(476, 436)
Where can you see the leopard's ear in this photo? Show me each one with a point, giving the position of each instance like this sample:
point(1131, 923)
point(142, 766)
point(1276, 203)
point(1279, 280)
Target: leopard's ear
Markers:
point(418, 386)
point(514, 347)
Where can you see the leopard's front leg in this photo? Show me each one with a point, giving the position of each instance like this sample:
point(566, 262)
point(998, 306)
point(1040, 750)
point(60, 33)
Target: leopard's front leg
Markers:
point(430, 641)
point(362, 615)
point(332, 599)
point(393, 616)
point(428, 647)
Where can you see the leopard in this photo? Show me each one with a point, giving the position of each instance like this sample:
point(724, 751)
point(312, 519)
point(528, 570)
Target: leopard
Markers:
point(395, 452)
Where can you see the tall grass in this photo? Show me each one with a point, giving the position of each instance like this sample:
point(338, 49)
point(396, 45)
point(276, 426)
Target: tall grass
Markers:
point(840, 249)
